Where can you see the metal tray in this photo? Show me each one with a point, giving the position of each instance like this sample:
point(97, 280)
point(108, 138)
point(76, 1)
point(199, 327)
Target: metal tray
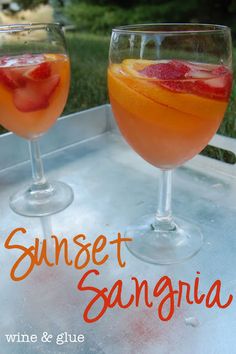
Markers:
point(112, 187)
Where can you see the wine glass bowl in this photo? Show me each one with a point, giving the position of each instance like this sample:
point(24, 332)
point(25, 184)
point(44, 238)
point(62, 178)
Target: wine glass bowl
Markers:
point(169, 87)
point(33, 91)
point(34, 86)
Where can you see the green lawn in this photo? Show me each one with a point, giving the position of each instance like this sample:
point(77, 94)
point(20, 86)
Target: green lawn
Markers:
point(89, 58)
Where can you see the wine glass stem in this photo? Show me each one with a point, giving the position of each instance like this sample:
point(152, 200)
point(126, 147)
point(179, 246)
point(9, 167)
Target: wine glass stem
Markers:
point(163, 217)
point(36, 163)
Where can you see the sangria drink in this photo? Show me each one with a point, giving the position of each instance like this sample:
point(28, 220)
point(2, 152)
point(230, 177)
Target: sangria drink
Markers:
point(169, 87)
point(33, 92)
point(34, 85)
point(168, 110)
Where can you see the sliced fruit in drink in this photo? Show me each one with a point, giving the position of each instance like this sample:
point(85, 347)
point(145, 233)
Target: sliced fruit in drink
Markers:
point(35, 95)
point(40, 72)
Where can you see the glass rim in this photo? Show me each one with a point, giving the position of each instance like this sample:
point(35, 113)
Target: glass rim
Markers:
point(18, 27)
point(144, 28)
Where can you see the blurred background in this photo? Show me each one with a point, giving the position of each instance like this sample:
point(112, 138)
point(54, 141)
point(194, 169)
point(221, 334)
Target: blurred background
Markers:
point(88, 25)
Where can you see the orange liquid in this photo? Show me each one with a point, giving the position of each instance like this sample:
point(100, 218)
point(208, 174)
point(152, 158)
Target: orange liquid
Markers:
point(29, 113)
point(166, 128)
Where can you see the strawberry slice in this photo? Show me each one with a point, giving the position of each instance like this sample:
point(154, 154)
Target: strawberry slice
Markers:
point(209, 81)
point(48, 86)
point(35, 95)
point(28, 100)
point(178, 85)
point(12, 78)
point(40, 72)
point(18, 75)
point(217, 88)
point(7, 80)
point(172, 70)
point(199, 71)
point(220, 70)
point(180, 66)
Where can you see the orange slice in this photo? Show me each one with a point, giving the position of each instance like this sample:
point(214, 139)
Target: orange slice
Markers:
point(184, 102)
point(134, 66)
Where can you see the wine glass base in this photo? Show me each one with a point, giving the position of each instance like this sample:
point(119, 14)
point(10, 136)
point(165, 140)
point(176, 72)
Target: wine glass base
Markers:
point(164, 247)
point(42, 202)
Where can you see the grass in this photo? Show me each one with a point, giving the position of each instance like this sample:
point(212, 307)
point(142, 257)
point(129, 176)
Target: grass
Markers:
point(89, 58)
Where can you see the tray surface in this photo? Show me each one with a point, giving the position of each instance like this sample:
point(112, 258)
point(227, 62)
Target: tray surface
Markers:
point(113, 186)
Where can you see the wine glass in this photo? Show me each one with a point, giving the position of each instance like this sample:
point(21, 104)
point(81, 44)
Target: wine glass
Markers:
point(34, 85)
point(169, 87)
